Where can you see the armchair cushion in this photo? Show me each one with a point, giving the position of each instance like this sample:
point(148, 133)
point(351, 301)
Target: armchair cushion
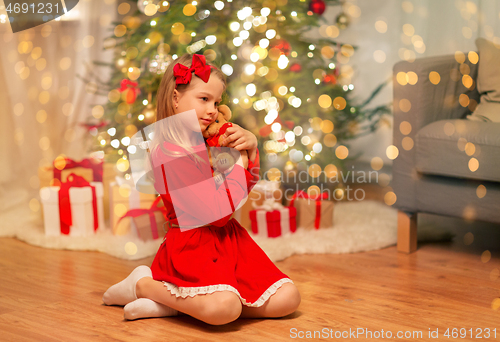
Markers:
point(488, 82)
point(438, 152)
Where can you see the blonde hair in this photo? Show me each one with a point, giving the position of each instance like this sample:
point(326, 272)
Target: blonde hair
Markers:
point(165, 106)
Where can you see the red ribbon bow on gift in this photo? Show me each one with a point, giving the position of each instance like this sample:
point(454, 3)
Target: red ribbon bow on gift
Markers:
point(74, 181)
point(183, 74)
point(138, 212)
point(317, 198)
point(96, 166)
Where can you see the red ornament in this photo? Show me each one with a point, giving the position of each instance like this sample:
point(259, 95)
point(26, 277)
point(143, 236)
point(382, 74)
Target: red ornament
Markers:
point(295, 67)
point(283, 46)
point(330, 79)
point(131, 89)
point(317, 6)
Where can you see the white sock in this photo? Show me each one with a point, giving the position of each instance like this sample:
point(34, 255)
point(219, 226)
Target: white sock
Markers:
point(147, 308)
point(124, 292)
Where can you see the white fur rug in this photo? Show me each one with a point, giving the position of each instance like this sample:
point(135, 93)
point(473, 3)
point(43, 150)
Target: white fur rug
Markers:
point(358, 226)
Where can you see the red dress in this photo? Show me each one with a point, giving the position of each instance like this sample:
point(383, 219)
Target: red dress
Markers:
point(221, 256)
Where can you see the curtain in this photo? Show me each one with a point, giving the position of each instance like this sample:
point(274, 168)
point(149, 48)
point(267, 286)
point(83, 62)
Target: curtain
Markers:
point(42, 100)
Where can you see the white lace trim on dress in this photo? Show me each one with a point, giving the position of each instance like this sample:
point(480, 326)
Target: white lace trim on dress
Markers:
point(193, 291)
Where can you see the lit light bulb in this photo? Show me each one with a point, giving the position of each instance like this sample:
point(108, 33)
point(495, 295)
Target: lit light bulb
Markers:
point(249, 69)
point(234, 26)
point(282, 62)
point(270, 34)
point(276, 127)
point(227, 69)
point(125, 141)
point(251, 89)
point(265, 11)
point(219, 5)
point(112, 132)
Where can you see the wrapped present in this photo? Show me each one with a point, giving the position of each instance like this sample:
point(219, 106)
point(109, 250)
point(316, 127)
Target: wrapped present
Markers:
point(92, 169)
point(272, 219)
point(110, 173)
point(262, 190)
point(313, 212)
point(148, 222)
point(75, 208)
point(123, 196)
point(89, 168)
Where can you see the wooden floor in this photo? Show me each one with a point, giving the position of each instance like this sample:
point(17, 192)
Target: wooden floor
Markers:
point(53, 295)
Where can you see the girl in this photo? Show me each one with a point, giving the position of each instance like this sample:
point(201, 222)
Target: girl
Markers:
point(208, 266)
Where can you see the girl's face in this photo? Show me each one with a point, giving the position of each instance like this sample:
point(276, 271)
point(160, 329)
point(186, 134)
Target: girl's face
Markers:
point(202, 97)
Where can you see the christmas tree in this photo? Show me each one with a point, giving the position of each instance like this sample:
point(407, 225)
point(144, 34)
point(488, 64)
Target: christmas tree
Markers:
point(291, 91)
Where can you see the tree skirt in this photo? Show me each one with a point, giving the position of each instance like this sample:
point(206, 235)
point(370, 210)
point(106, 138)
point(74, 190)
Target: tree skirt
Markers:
point(358, 227)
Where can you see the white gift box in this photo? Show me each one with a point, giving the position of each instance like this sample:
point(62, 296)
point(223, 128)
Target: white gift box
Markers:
point(82, 214)
point(273, 219)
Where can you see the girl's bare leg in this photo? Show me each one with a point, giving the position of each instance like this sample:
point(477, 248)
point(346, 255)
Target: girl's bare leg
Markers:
point(284, 302)
point(217, 308)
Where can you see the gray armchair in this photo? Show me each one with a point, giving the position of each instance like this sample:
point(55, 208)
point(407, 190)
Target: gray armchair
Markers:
point(436, 171)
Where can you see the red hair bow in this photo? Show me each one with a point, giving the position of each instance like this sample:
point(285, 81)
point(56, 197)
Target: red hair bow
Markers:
point(183, 74)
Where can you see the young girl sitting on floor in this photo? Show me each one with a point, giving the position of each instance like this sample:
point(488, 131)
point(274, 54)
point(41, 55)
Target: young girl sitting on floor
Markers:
point(208, 266)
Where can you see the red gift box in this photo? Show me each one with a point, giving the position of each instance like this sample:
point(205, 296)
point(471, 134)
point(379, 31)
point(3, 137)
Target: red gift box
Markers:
point(273, 223)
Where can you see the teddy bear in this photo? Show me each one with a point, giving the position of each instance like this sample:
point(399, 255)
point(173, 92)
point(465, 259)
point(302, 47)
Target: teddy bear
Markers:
point(225, 157)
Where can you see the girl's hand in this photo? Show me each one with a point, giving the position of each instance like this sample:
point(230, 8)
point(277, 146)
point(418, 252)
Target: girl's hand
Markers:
point(241, 139)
